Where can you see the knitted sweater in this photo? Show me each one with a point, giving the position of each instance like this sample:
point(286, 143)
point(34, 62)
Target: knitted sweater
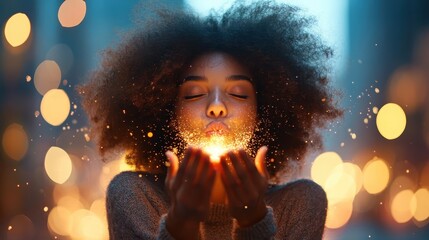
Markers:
point(137, 207)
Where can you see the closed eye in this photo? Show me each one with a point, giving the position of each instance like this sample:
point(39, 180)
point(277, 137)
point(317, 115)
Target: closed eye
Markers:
point(194, 96)
point(239, 96)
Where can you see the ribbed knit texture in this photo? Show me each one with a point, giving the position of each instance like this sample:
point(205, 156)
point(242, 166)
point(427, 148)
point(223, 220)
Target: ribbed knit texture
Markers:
point(137, 208)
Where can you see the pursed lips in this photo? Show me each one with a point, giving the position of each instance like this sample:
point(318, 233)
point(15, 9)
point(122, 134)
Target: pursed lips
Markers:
point(216, 128)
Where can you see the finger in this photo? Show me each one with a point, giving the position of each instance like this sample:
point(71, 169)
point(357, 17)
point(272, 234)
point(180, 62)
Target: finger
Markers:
point(247, 186)
point(191, 171)
point(206, 165)
point(182, 168)
point(240, 171)
point(172, 169)
point(229, 182)
point(174, 162)
point(260, 161)
point(250, 165)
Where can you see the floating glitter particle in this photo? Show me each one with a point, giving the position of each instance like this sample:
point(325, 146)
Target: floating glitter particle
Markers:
point(87, 138)
point(45, 209)
point(365, 120)
point(375, 110)
point(36, 113)
point(376, 90)
point(342, 144)
point(9, 228)
point(150, 134)
point(28, 78)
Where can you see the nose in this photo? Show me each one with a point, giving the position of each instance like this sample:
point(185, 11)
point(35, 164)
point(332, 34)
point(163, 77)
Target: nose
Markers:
point(216, 107)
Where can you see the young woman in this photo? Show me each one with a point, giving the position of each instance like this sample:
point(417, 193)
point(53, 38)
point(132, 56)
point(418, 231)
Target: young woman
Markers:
point(249, 82)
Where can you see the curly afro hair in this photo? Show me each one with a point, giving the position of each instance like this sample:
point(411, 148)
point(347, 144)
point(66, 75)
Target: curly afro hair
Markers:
point(131, 97)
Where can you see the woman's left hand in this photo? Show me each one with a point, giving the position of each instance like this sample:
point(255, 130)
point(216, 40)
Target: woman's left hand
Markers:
point(245, 186)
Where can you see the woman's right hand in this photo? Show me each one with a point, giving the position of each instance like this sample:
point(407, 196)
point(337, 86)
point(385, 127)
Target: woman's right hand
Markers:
point(189, 187)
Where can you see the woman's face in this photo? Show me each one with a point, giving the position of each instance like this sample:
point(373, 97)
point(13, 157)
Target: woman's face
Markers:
point(217, 100)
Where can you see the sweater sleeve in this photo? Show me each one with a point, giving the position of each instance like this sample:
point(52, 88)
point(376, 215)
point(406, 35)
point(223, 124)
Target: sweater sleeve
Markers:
point(301, 210)
point(131, 213)
point(264, 229)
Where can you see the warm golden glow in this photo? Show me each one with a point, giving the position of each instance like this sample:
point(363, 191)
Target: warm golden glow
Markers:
point(421, 199)
point(86, 225)
point(215, 148)
point(70, 202)
point(59, 220)
point(15, 141)
point(340, 186)
point(98, 207)
point(58, 165)
point(47, 76)
point(391, 121)
point(375, 176)
point(339, 214)
point(355, 172)
point(17, 29)
point(403, 207)
point(323, 166)
point(111, 169)
point(400, 183)
point(63, 190)
point(55, 107)
point(71, 13)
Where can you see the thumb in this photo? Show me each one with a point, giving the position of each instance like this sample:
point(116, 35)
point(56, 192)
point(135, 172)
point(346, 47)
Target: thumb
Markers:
point(173, 161)
point(260, 161)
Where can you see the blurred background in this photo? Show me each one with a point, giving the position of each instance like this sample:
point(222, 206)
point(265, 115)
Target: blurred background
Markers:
point(374, 166)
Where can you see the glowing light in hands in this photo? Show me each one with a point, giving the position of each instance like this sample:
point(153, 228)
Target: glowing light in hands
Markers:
point(215, 148)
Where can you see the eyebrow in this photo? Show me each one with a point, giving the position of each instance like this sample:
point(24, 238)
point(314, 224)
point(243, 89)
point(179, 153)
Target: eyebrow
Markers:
point(229, 78)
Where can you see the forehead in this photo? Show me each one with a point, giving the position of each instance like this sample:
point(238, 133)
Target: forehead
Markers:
point(215, 63)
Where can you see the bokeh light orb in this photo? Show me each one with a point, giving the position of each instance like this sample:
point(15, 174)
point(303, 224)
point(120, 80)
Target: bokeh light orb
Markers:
point(340, 186)
point(55, 107)
point(323, 165)
point(376, 176)
point(339, 214)
point(58, 165)
point(391, 121)
point(421, 198)
point(47, 76)
point(355, 172)
point(71, 13)
point(15, 141)
point(59, 220)
point(86, 225)
point(17, 29)
point(403, 207)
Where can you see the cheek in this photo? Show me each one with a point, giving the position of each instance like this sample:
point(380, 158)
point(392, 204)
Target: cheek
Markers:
point(188, 116)
point(246, 117)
